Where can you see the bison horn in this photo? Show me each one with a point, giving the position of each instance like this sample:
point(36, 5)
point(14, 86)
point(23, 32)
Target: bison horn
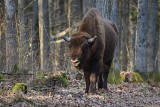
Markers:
point(91, 40)
point(67, 39)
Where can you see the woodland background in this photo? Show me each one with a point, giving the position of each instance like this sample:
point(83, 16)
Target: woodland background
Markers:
point(31, 33)
point(32, 53)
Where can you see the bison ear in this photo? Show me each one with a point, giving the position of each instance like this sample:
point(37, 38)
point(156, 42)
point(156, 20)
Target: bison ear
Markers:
point(91, 40)
point(67, 39)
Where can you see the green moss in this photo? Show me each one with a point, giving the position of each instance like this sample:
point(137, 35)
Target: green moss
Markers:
point(150, 77)
point(63, 79)
point(130, 77)
point(143, 75)
point(153, 77)
point(64, 75)
point(39, 81)
point(111, 78)
point(134, 14)
point(41, 78)
point(138, 78)
point(41, 75)
point(114, 78)
point(50, 80)
point(122, 77)
point(19, 87)
point(156, 76)
point(1, 78)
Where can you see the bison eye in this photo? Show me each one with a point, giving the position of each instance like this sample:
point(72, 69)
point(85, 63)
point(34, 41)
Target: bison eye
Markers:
point(84, 48)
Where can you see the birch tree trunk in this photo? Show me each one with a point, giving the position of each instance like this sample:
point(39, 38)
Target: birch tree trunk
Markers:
point(151, 37)
point(10, 33)
point(24, 28)
point(142, 27)
point(44, 34)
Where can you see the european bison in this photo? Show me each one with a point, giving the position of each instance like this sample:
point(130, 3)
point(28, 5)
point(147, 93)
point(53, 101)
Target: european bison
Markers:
point(92, 49)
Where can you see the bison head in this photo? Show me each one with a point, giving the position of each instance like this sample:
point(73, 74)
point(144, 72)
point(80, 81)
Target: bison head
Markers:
point(80, 45)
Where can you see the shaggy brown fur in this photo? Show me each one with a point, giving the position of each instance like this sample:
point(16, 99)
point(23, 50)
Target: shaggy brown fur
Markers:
point(94, 58)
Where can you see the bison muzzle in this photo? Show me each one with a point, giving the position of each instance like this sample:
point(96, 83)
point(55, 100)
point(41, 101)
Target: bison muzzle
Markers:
point(92, 49)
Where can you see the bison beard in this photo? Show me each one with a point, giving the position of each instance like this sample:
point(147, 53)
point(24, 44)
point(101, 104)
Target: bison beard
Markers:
point(92, 49)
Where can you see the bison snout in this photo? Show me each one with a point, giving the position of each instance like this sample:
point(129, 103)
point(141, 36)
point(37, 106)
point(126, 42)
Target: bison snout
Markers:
point(75, 62)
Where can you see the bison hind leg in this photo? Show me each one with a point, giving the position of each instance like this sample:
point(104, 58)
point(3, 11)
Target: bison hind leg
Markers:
point(100, 81)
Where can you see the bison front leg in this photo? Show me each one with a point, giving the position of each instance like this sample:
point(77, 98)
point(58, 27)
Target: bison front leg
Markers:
point(90, 79)
point(100, 81)
point(93, 80)
point(87, 80)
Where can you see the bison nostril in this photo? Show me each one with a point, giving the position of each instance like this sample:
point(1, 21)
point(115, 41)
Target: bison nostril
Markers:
point(74, 61)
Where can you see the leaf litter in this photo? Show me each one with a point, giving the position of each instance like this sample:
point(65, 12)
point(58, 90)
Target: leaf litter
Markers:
point(123, 95)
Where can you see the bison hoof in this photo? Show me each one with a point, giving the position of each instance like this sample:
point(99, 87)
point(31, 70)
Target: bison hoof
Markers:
point(93, 91)
point(100, 86)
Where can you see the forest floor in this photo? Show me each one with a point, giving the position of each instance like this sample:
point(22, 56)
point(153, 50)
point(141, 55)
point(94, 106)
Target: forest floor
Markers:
point(123, 95)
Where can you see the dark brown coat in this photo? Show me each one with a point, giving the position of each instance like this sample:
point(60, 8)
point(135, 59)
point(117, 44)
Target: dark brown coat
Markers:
point(92, 49)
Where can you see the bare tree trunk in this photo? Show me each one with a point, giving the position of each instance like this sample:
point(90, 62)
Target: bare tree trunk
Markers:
point(159, 55)
point(151, 37)
point(76, 12)
point(108, 9)
point(52, 18)
point(2, 37)
point(10, 33)
point(142, 27)
point(35, 38)
point(24, 28)
point(2, 48)
point(101, 6)
point(87, 4)
point(63, 4)
point(125, 32)
point(132, 36)
point(115, 19)
point(59, 23)
point(120, 28)
point(44, 35)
